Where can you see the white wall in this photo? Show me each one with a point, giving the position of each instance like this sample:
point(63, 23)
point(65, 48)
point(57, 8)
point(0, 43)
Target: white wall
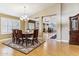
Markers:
point(54, 9)
point(68, 9)
point(63, 12)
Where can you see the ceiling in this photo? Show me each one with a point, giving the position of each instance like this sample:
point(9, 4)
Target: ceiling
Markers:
point(17, 9)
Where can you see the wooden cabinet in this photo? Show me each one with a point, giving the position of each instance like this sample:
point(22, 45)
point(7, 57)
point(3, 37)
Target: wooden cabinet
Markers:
point(74, 29)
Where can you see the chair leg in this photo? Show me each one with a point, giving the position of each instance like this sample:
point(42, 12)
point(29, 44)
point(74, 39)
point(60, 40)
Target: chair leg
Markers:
point(13, 40)
point(26, 43)
point(18, 41)
point(36, 40)
point(32, 42)
point(22, 42)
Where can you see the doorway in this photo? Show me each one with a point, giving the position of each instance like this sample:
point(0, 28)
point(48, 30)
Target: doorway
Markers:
point(50, 27)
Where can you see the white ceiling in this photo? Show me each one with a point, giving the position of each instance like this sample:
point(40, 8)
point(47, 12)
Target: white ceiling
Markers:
point(17, 9)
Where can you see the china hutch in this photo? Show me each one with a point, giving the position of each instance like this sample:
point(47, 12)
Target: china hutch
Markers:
point(74, 30)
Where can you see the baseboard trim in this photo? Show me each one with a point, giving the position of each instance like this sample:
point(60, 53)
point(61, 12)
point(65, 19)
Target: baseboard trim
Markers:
point(67, 41)
point(58, 40)
point(5, 39)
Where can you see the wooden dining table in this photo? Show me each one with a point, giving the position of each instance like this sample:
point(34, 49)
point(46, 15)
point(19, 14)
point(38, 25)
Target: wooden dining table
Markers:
point(27, 34)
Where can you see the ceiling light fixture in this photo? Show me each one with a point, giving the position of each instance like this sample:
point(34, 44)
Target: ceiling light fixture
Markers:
point(24, 17)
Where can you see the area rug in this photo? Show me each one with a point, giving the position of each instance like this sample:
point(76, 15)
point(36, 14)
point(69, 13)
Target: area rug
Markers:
point(23, 48)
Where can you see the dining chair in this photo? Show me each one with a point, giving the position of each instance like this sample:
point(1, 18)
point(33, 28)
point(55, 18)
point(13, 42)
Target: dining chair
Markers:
point(33, 38)
point(20, 37)
point(14, 35)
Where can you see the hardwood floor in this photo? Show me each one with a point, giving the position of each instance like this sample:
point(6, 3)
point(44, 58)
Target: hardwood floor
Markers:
point(49, 48)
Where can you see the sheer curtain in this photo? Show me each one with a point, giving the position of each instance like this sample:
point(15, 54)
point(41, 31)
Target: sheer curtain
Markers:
point(8, 24)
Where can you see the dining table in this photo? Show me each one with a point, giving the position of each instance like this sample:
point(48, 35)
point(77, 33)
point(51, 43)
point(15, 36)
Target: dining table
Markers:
point(27, 34)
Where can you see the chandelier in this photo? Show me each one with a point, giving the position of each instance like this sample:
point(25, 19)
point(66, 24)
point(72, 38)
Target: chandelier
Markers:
point(24, 17)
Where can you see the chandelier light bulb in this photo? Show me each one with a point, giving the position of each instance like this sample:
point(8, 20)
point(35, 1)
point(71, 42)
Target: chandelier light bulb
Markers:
point(24, 17)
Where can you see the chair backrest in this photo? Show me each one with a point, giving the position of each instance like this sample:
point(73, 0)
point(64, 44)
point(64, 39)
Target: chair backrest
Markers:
point(35, 35)
point(19, 34)
point(14, 33)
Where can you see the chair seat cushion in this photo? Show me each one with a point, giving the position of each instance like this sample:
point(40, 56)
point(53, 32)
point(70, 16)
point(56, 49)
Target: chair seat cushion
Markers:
point(22, 38)
point(30, 38)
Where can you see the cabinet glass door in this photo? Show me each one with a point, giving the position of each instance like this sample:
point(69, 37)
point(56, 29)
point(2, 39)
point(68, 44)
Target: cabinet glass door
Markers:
point(74, 24)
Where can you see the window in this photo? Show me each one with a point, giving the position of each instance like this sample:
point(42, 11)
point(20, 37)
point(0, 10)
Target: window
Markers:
point(3, 26)
point(31, 26)
point(7, 25)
